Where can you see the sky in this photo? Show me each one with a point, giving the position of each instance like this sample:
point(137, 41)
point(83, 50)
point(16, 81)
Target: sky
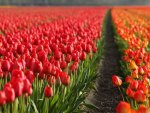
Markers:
point(75, 2)
point(121, 2)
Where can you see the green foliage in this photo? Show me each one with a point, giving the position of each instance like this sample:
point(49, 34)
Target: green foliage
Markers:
point(148, 47)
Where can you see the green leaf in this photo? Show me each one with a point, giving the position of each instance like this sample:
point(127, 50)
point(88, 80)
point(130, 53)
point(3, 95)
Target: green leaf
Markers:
point(34, 107)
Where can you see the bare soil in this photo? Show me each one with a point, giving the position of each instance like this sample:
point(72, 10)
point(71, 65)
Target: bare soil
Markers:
point(107, 96)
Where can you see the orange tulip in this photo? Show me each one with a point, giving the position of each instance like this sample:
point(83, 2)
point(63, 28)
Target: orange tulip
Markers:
point(133, 111)
point(133, 65)
point(123, 107)
point(142, 109)
point(135, 74)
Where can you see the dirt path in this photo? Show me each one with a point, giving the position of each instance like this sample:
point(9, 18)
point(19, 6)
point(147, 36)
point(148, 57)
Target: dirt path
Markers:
point(107, 96)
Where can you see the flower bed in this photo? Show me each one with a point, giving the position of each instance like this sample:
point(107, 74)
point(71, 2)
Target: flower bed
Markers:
point(48, 57)
point(132, 36)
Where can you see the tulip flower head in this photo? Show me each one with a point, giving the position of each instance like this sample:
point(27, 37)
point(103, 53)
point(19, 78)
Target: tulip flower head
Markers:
point(116, 80)
point(123, 107)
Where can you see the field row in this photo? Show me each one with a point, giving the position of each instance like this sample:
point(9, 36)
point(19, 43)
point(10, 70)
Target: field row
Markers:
point(40, 53)
point(133, 37)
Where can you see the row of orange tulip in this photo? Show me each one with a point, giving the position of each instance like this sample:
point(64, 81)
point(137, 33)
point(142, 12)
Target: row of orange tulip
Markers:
point(132, 30)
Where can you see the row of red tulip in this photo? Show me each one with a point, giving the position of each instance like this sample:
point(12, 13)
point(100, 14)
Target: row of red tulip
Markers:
point(132, 26)
point(45, 45)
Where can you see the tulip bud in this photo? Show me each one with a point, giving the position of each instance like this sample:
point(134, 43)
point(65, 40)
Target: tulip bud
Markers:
point(134, 85)
point(27, 86)
point(2, 98)
point(48, 91)
point(83, 56)
point(128, 79)
point(10, 94)
point(94, 49)
point(75, 57)
point(139, 96)
point(18, 87)
point(5, 65)
point(116, 80)
point(20, 49)
point(18, 74)
point(133, 111)
point(42, 55)
point(123, 107)
point(88, 48)
point(141, 71)
point(63, 65)
point(57, 54)
point(143, 88)
point(130, 92)
point(68, 58)
point(133, 65)
point(37, 66)
point(30, 76)
point(74, 66)
point(69, 49)
point(65, 79)
point(135, 74)
point(142, 109)
point(47, 67)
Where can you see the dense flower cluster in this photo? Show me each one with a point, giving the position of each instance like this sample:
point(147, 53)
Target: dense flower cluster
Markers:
point(133, 27)
point(45, 44)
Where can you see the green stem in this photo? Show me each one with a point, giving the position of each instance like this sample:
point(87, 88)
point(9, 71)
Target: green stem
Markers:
point(121, 94)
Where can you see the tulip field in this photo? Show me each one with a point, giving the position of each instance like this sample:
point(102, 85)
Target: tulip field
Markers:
point(49, 58)
point(132, 27)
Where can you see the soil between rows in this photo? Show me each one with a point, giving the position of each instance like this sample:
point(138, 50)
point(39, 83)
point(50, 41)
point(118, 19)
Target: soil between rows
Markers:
point(107, 96)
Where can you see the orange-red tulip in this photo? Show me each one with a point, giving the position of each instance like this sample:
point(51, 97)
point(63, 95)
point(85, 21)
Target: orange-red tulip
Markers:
point(123, 107)
point(116, 80)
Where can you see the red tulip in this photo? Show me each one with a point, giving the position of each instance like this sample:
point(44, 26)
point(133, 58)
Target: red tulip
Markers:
point(57, 54)
point(141, 71)
point(116, 80)
point(139, 96)
point(142, 109)
point(74, 66)
point(143, 88)
point(18, 74)
point(2, 98)
point(10, 94)
point(30, 76)
point(27, 86)
point(128, 79)
point(134, 85)
point(18, 87)
point(37, 67)
point(69, 49)
point(63, 65)
point(65, 79)
point(47, 68)
point(42, 55)
point(48, 91)
point(20, 49)
point(5, 65)
point(17, 65)
point(83, 56)
point(130, 92)
point(75, 57)
point(68, 58)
